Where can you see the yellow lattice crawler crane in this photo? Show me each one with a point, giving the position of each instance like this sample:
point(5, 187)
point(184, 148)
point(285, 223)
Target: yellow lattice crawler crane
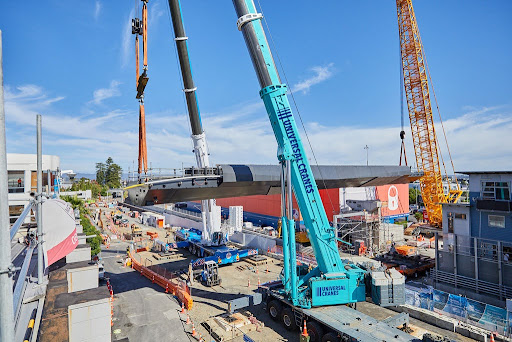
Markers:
point(424, 137)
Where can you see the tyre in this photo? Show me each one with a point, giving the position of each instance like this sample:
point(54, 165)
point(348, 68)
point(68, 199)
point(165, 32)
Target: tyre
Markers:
point(274, 309)
point(330, 337)
point(315, 331)
point(288, 319)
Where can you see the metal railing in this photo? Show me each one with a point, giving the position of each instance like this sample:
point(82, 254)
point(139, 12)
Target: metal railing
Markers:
point(16, 226)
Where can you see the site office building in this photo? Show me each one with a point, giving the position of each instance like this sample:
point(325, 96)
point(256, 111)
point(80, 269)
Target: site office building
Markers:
point(22, 179)
point(488, 215)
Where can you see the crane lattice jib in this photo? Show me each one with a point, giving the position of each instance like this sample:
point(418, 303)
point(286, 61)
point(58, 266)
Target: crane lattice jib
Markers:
point(420, 112)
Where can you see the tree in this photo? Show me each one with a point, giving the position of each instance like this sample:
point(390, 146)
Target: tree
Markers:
point(413, 195)
point(88, 228)
point(100, 173)
point(109, 174)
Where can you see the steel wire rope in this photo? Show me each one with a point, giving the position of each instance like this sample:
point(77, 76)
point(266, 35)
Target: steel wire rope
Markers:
point(296, 107)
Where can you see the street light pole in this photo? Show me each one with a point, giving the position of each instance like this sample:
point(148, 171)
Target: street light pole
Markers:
point(366, 148)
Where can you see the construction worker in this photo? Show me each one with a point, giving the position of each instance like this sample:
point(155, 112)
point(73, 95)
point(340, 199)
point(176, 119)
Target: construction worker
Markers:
point(19, 182)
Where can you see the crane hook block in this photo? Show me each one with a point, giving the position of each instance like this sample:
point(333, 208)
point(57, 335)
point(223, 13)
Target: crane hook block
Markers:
point(137, 26)
point(402, 135)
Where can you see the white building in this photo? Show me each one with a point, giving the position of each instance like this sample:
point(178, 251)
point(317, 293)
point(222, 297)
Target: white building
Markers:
point(84, 195)
point(22, 179)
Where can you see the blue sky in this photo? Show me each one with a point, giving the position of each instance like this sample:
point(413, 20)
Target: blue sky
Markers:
point(73, 62)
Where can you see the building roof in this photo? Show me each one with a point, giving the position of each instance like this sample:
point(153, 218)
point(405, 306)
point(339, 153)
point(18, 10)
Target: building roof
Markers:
point(485, 172)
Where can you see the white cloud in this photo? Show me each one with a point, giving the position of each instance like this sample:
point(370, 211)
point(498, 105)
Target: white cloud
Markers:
point(126, 39)
point(155, 12)
point(240, 134)
point(97, 9)
point(105, 93)
point(322, 73)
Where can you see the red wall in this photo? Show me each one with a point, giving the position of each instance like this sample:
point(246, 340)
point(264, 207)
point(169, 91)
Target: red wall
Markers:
point(271, 204)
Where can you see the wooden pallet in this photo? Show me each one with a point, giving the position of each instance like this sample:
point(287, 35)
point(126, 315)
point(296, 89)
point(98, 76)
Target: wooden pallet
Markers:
point(257, 260)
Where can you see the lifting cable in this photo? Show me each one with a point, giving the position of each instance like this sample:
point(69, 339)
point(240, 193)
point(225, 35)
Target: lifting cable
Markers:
point(402, 131)
point(297, 108)
point(139, 27)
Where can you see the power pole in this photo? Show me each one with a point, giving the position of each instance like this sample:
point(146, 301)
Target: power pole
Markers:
point(6, 300)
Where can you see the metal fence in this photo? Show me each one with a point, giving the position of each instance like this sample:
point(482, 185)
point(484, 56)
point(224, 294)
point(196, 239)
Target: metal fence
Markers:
point(469, 311)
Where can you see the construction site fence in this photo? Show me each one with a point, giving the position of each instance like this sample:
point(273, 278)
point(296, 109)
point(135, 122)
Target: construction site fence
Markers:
point(489, 317)
point(167, 280)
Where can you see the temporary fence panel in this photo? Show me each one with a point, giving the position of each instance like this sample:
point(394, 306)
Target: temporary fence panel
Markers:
point(467, 310)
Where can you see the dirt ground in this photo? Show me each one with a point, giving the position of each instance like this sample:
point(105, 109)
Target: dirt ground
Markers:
point(240, 279)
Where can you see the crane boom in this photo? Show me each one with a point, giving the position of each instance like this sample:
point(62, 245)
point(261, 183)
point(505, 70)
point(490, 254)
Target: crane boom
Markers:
point(332, 281)
point(420, 114)
point(210, 225)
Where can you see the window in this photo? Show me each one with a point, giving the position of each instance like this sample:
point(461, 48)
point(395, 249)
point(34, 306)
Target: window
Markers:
point(496, 221)
point(460, 216)
point(16, 181)
point(496, 190)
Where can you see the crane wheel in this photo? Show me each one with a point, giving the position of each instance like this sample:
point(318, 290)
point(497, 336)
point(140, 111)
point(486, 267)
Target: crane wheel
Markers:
point(330, 337)
point(315, 331)
point(288, 319)
point(274, 309)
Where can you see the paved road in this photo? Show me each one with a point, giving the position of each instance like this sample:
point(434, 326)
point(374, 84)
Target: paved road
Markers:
point(142, 310)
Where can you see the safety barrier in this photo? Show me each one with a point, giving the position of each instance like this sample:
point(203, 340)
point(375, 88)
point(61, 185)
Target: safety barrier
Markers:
point(158, 275)
point(466, 310)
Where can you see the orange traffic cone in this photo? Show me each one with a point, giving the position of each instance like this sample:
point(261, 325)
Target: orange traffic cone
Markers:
point(248, 282)
point(257, 270)
point(182, 308)
point(259, 282)
point(194, 332)
point(267, 268)
point(492, 337)
point(188, 320)
point(200, 338)
point(304, 330)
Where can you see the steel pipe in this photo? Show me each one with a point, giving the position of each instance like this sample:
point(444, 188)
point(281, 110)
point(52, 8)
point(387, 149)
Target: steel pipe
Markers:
point(39, 198)
point(6, 314)
point(16, 226)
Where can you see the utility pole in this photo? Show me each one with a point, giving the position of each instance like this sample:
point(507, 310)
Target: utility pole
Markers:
point(39, 198)
point(366, 148)
point(6, 300)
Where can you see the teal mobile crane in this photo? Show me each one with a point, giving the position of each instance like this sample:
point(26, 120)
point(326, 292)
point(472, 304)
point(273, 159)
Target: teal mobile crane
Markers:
point(332, 282)
point(303, 295)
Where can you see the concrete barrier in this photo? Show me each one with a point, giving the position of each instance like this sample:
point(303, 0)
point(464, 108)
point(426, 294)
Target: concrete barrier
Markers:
point(427, 316)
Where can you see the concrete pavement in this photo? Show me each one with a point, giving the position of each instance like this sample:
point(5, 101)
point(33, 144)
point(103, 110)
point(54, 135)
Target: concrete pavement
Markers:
point(142, 310)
